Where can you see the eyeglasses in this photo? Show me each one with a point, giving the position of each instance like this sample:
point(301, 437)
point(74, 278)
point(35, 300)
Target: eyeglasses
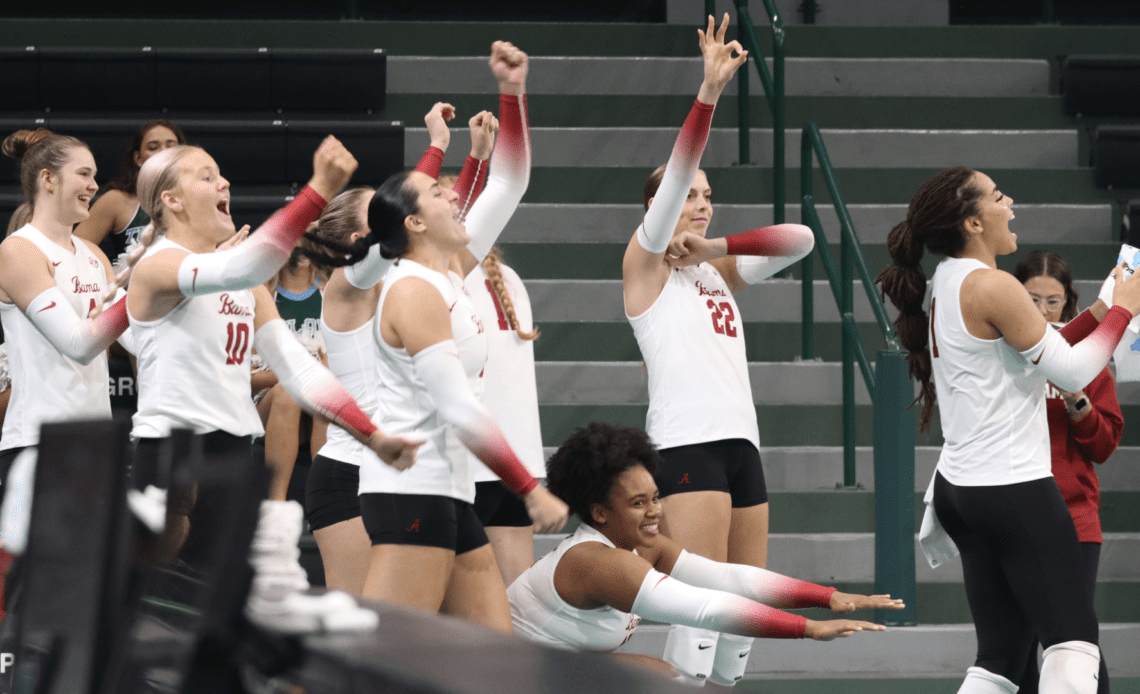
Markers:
point(1053, 303)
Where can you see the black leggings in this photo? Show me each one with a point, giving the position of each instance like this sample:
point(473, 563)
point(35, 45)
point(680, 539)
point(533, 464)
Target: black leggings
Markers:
point(1090, 562)
point(1022, 565)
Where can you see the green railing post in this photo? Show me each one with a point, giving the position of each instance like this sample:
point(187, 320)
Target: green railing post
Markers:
point(894, 488)
point(777, 99)
point(743, 117)
point(807, 267)
point(710, 9)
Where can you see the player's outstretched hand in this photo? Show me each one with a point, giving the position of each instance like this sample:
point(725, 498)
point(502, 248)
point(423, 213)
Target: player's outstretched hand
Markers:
point(1126, 292)
point(436, 122)
point(720, 63)
point(397, 451)
point(849, 602)
point(483, 127)
point(333, 166)
point(837, 628)
point(548, 512)
point(509, 65)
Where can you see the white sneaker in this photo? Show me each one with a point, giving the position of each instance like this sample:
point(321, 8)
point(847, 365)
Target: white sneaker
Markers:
point(300, 613)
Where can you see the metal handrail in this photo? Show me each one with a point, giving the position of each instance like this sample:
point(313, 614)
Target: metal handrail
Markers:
point(773, 83)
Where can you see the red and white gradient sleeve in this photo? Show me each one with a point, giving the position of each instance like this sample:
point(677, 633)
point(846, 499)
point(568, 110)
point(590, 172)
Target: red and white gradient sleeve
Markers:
point(761, 585)
point(431, 162)
point(369, 272)
point(1080, 327)
point(312, 385)
point(256, 260)
point(439, 368)
point(665, 599)
point(761, 253)
point(1073, 367)
point(80, 339)
point(508, 178)
point(661, 219)
point(469, 185)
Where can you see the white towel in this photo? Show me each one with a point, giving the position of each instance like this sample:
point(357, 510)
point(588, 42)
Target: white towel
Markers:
point(932, 537)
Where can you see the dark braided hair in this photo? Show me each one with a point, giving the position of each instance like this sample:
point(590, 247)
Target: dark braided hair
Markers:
point(393, 201)
point(935, 220)
point(583, 470)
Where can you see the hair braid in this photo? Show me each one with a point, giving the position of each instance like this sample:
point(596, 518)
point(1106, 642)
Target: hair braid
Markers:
point(495, 275)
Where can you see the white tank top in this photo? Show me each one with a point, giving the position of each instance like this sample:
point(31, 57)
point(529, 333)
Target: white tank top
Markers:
point(540, 614)
point(509, 388)
point(46, 385)
point(403, 405)
point(692, 340)
point(991, 400)
point(352, 359)
point(193, 365)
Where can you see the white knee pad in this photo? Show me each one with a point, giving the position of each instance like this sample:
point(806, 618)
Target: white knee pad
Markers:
point(692, 651)
point(731, 659)
point(982, 681)
point(1070, 667)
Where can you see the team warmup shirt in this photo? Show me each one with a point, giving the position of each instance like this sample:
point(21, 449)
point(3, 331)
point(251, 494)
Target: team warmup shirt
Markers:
point(991, 399)
point(404, 406)
point(509, 388)
point(353, 356)
point(46, 385)
point(692, 339)
point(540, 614)
point(194, 365)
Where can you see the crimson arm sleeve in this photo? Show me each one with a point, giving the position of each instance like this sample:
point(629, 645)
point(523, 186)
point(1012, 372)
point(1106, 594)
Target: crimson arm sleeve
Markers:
point(1071, 368)
point(259, 258)
point(431, 162)
point(470, 184)
point(507, 180)
point(661, 218)
point(761, 253)
point(1080, 327)
point(1097, 435)
point(439, 368)
point(312, 385)
point(761, 585)
point(665, 599)
point(80, 339)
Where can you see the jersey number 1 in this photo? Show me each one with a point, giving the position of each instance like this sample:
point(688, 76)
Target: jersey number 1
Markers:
point(723, 312)
point(237, 342)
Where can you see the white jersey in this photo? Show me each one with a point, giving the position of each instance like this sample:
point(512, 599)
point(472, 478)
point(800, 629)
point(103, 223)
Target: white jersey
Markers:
point(692, 340)
point(991, 400)
point(404, 406)
point(353, 356)
point(540, 614)
point(509, 388)
point(46, 385)
point(193, 365)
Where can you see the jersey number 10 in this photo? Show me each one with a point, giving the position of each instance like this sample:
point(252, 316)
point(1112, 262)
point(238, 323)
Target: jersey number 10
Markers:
point(237, 342)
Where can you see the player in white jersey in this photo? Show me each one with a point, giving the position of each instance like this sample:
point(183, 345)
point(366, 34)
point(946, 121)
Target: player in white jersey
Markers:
point(590, 592)
point(678, 289)
point(50, 282)
point(429, 550)
point(991, 353)
point(332, 504)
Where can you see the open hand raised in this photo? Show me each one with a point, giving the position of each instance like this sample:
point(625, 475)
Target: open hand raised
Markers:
point(720, 64)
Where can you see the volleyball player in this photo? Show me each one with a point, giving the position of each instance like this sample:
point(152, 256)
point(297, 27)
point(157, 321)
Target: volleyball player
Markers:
point(991, 352)
point(687, 325)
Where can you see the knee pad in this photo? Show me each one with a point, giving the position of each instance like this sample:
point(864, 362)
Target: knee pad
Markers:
point(731, 659)
point(1070, 667)
point(692, 651)
point(981, 681)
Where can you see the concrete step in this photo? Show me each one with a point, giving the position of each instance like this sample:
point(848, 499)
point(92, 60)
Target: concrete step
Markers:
point(650, 147)
point(441, 76)
point(577, 223)
point(924, 651)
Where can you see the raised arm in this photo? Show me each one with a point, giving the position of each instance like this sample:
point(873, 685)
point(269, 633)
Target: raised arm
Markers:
point(472, 178)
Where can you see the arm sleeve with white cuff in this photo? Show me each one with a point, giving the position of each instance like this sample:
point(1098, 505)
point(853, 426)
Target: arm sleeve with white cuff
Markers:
point(761, 585)
point(256, 260)
point(439, 368)
point(1074, 367)
point(508, 178)
point(311, 384)
point(660, 219)
point(761, 253)
point(665, 599)
point(369, 272)
point(81, 339)
point(469, 185)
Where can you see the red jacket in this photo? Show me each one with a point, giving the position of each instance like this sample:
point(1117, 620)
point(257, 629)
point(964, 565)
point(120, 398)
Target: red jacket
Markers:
point(1077, 445)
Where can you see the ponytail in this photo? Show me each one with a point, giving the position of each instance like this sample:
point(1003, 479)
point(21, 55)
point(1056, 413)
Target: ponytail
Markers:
point(491, 265)
point(935, 221)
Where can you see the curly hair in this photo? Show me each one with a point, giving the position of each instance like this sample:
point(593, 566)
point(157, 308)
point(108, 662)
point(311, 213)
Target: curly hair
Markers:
point(583, 470)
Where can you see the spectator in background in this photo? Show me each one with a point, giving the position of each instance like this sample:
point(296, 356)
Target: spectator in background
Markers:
point(1084, 428)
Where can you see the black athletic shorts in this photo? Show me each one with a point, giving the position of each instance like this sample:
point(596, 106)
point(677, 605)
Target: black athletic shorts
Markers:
point(331, 492)
point(496, 506)
point(732, 466)
point(427, 520)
